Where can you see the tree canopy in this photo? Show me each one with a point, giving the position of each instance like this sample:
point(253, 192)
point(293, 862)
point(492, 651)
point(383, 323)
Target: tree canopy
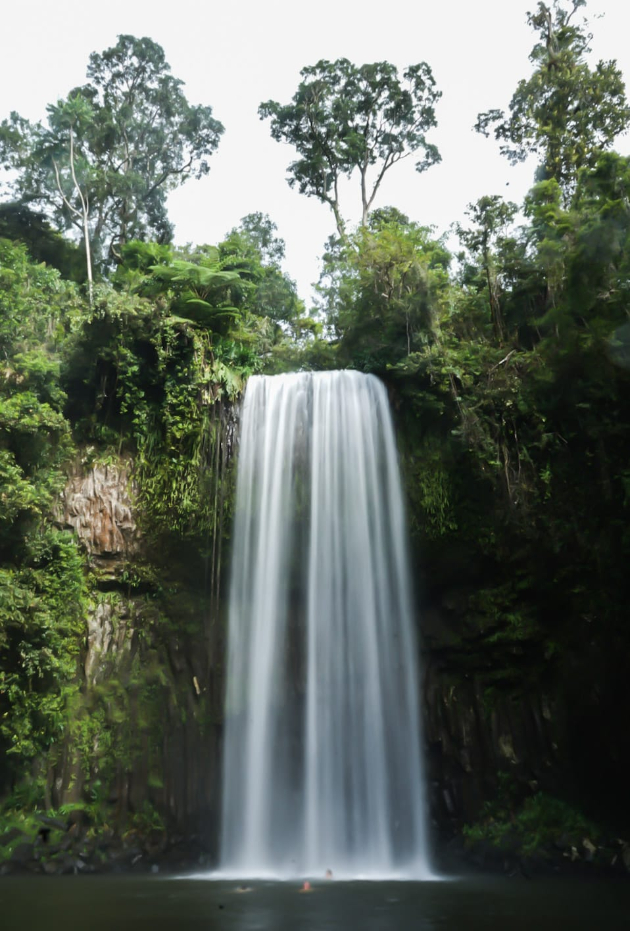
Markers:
point(347, 118)
point(566, 113)
point(107, 155)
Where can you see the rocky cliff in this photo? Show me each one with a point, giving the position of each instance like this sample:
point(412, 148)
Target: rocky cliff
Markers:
point(147, 728)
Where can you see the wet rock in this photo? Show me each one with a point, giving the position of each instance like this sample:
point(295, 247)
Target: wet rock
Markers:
point(22, 853)
point(109, 634)
point(506, 748)
point(53, 823)
point(471, 739)
point(133, 855)
point(486, 855)
point(562, 843)
point(156, 843)
point(68, 864)
point(77, 819)
point(62, 865)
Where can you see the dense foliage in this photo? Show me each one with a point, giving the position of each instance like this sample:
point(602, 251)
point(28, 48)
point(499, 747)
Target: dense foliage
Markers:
point(42, 583)
point(150, 368)
point(508, 365)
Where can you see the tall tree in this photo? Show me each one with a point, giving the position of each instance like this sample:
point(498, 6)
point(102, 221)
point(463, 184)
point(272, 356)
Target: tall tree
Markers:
point(346, 118)
point(106, 157)
point(490, 215)
point(566, 113)
point(69, 117)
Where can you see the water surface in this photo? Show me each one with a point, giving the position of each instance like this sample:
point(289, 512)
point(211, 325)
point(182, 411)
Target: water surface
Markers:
point(132, 903)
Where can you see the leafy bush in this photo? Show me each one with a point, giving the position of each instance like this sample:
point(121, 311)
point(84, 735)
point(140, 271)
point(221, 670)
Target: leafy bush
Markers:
point(539, 822)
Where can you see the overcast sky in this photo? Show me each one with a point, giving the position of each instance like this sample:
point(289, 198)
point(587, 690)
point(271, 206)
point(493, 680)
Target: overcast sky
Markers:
point(233, 56)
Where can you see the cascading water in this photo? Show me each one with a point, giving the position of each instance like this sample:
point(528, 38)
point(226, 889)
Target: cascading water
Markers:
point(322, 762)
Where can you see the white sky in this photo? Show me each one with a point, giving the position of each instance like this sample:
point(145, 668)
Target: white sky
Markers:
point(233, 56)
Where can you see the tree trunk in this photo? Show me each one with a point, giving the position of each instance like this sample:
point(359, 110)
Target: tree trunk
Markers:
point(495, 307)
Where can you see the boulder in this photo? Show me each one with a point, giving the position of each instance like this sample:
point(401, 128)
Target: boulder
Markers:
point(23, 853)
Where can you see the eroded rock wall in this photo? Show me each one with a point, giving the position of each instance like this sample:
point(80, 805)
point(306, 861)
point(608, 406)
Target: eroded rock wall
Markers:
point(147, 727)
point(154, 655)
point(472, 738)
point(98, 504)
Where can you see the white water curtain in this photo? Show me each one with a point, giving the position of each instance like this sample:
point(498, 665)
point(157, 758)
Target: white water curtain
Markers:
point(322, 761)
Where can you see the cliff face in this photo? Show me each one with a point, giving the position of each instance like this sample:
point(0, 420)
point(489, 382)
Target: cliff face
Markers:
point(523, 752)
point(471, 741)
point(148, 725)
point(98, 504)
point(148, 722)
point(170, 754)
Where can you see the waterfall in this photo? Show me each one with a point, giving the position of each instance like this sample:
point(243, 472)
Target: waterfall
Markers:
point(322, 760)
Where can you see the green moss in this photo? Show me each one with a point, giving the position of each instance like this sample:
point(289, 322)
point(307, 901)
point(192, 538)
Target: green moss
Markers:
point(536, 824)
point(430, 487)
point(147, 820)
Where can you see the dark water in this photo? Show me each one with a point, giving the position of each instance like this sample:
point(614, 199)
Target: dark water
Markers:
point(130, 902)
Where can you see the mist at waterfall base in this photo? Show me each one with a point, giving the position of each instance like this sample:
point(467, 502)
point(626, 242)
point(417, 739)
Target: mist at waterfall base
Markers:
point(322, 759)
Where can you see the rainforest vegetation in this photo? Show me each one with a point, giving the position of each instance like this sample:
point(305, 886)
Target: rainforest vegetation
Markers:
point(505, 348)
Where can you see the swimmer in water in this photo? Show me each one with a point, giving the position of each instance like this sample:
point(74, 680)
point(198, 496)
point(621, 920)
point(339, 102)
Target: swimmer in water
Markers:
point(306, 886)
point(329, 874)
point(243, 889)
